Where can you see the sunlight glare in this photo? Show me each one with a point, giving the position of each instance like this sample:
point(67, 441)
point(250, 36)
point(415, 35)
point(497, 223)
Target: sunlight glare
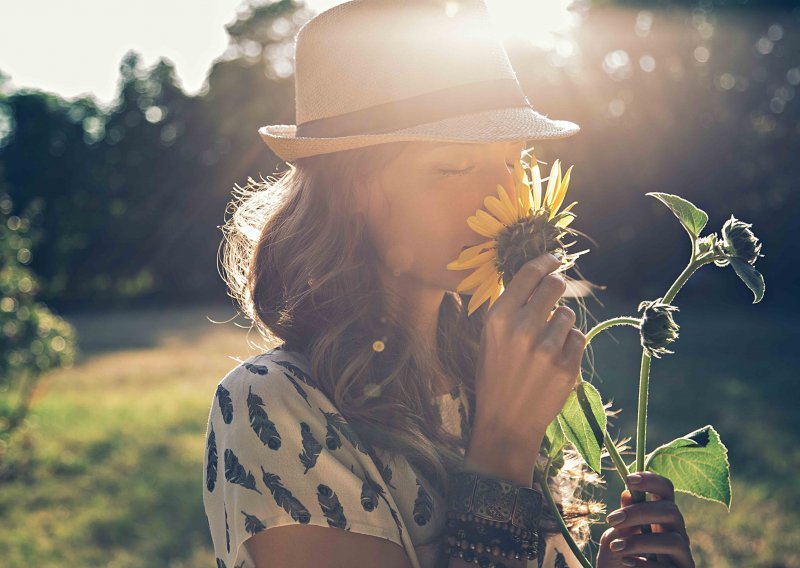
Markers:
point(539, 22)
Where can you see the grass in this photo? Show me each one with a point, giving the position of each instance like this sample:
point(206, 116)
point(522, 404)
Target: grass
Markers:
point(114, 471)
point(109, 466)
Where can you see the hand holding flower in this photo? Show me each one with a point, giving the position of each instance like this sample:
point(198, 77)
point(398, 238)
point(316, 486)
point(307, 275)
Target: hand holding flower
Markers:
point(624, 544)
point(526, 224)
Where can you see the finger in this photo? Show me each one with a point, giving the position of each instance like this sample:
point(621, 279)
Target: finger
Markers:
point(626, 500)
point(526, 279)
point(624, 532)
point(574, 348)
point(638, 561)
point(670, 544)
point(653, 483)
point(536, 313)
point(665, 513)
point(555, 331)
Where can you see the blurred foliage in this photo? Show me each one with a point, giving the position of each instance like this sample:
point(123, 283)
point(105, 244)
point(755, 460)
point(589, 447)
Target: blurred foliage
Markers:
point(696, 99)
point(32, 339)
point(704, 4)
point(133, 195)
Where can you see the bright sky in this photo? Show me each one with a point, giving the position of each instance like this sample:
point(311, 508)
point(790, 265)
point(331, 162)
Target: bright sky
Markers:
point(74, 47)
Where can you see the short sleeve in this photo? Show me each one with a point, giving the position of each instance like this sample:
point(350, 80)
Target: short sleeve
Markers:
point(278, 453)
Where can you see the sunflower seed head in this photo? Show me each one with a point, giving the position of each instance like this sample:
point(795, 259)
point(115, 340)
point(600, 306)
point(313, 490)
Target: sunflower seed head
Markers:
point(657, 329)
point(525, 240)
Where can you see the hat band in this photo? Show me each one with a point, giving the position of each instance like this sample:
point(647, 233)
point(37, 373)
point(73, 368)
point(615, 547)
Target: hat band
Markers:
point(428, 107)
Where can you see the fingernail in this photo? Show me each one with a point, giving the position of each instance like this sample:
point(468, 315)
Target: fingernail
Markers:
point(558, 255)
point(617, 545)
point(634, 478)
point(628, 561)
point(615, 518)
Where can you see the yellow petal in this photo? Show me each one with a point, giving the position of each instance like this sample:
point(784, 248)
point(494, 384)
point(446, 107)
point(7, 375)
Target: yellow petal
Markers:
point(537, 185)
point(562, 192)
point(473, 305)
point(496, 208)
point(496, 293)
point(472, 262)
point(489, 220)
point(565, 221)
point(477, 224)
point(570, 206)
point(477, 278)
point(472, 252)
point(525, 201)
point(552, 182)
point(505, 199)
point(481, 294)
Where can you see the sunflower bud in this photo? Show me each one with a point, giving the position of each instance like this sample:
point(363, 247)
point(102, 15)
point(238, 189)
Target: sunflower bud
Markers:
point(739, 241)
point(657, 329)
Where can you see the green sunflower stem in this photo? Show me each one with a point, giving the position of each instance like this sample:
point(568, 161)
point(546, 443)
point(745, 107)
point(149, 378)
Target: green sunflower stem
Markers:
point(644, 375)
point(542, 479)
point(622, 320)
point(644, 384)
point(608, 443)
point(622, 469)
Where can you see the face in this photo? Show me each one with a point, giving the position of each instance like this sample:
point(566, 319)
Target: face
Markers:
point(417, 208)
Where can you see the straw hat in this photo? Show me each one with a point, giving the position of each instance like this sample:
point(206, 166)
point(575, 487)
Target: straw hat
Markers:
point(375, 71)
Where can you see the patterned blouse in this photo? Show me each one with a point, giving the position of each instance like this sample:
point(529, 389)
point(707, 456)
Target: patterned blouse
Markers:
point(278, 452)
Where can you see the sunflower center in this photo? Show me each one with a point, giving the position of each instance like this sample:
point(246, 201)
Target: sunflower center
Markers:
point(523, 241)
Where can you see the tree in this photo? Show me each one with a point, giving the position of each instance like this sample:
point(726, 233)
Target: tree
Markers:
point(33, 340)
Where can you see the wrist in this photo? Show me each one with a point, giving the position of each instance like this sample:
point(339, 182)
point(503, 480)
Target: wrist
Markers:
point(505, 457)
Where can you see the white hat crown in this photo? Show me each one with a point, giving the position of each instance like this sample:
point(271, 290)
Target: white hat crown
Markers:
point(374, 71)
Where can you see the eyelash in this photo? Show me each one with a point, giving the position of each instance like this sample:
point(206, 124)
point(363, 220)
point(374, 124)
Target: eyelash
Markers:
point(462, 172)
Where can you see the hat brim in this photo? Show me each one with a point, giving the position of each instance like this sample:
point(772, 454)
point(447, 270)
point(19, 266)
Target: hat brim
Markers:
point(522, 123)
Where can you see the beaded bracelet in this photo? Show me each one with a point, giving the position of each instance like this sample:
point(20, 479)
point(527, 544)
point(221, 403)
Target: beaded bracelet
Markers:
point(491, 514)
point(495, 499)
point(476, 534)
point(471, 556)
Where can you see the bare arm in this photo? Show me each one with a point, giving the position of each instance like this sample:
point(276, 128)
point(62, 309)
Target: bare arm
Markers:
point(312, 546)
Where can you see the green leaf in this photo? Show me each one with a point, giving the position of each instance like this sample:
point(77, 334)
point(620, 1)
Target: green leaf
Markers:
point(692, 218)
point(696, 464)
point(750, 276)
point(587, 437)
point(555, 438)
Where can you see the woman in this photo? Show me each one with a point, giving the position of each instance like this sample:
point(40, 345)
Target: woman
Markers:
point(384, 395)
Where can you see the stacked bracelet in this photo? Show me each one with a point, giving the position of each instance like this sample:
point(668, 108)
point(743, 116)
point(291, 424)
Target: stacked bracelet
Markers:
point(491, 515)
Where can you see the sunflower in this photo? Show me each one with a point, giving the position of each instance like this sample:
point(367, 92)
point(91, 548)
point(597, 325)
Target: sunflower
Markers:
point(520, 227)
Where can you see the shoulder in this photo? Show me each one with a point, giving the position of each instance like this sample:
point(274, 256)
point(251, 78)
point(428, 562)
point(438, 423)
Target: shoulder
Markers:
point(278, 453)
point(272, 392)
point(279, 377)
point(265, 367)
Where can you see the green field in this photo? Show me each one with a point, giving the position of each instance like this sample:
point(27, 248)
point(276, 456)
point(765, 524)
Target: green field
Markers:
point(108, 471)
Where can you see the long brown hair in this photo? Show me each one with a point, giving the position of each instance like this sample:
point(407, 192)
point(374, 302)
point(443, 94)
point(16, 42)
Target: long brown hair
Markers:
point(298, 261)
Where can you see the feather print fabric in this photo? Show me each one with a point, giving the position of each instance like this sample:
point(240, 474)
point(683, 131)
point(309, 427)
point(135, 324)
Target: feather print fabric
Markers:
point(277, 452)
